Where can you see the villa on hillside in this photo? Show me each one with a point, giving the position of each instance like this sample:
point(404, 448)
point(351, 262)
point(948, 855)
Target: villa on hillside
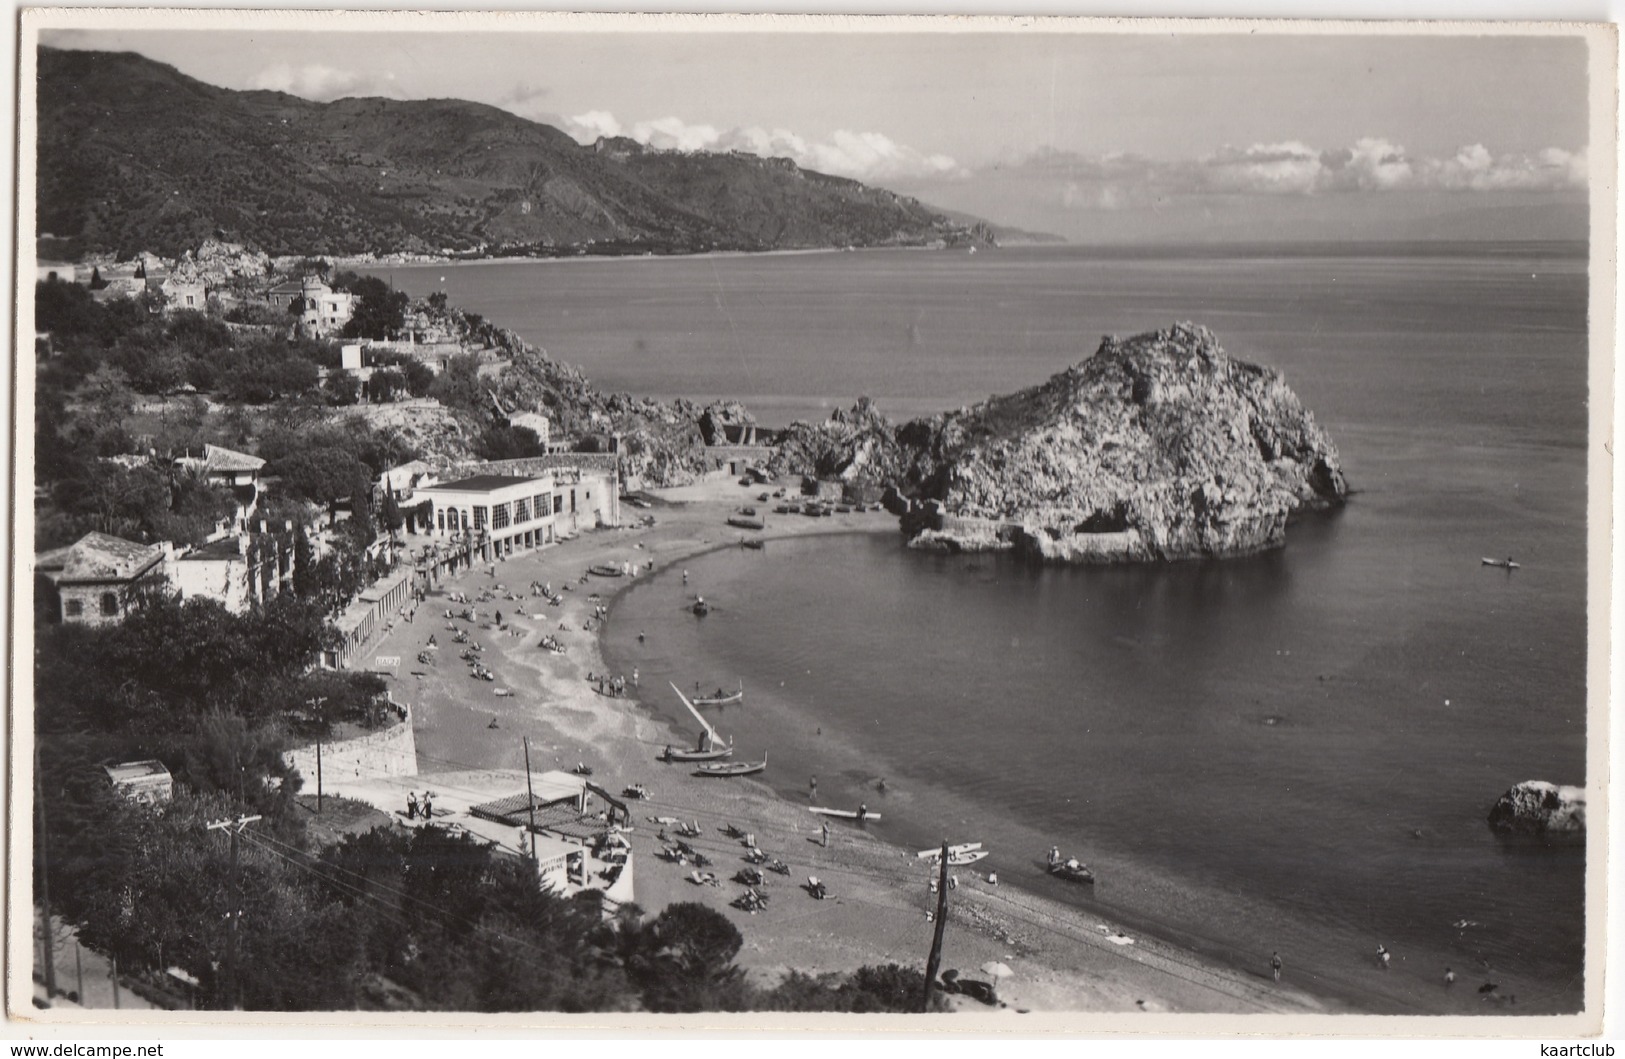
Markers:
point(95, 580)
point(324, 310)
point(237, 471)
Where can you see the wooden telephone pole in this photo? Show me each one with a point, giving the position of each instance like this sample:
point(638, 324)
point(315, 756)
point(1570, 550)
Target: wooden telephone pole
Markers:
point(530, 805)
point(233, 984)
point(934, 962)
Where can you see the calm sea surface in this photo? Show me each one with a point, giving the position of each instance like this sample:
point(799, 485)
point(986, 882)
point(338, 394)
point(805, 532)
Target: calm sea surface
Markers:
point(1290, 752)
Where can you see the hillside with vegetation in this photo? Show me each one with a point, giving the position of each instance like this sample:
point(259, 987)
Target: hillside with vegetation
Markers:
point(135, 156)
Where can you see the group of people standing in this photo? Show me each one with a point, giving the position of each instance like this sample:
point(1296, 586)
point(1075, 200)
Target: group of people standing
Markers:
point(415, 808)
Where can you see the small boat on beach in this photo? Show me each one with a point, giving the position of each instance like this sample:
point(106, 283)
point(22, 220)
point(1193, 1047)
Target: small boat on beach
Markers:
point(844, 814)
point(1505, 564)
point(733, 768)
point(721, 698)
point(746, 522)
point(755, 545)
point(605, 570)
point(671, 754)
point(936, 854)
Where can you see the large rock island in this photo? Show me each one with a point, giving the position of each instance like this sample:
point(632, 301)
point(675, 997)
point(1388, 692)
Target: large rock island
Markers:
point(1158, 447)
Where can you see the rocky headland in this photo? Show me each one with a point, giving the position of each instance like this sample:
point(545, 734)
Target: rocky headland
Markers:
point(1158, 447)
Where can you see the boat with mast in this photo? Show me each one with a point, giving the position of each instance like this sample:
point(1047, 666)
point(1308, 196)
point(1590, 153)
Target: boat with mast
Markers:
point(709, 747)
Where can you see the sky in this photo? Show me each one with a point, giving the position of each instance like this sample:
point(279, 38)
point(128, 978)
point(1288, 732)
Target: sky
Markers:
point(1114, 136)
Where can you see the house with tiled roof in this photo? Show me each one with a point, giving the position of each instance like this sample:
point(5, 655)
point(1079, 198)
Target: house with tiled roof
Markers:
point(323, 310)
point(237, 471)
point(96, 579)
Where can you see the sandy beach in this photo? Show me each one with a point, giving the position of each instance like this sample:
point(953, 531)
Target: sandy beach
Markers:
point(1063, 958)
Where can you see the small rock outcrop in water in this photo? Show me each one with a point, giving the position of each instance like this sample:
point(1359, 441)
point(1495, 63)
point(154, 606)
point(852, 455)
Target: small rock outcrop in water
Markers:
point(1157, 447)
point(1536, 807)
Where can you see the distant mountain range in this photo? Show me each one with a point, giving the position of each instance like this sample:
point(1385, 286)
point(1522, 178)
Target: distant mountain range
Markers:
point(134, 155)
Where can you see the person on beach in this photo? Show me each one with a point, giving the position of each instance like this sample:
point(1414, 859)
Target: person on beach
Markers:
point(1449, 977)
point(1275, 965)
point(1054, 856)
point(412, 805)
point(428, 807)
point(993, 878)
point(825, 830)
point(1382, 954)
point(635, 668)
point(812, 787)
point(685, 577)
point(863, 813)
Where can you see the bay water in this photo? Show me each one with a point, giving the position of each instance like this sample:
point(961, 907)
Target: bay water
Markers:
point(1289, 752)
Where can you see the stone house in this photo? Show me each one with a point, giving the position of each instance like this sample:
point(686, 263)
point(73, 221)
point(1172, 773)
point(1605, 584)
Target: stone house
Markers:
point(96, 580)
point(324, 312)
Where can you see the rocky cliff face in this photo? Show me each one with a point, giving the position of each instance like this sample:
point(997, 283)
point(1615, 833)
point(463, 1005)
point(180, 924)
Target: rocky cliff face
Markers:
point(1157, 447)
point(1536, 807)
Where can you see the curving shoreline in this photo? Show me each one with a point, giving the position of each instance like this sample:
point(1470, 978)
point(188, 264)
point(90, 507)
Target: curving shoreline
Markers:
point(1064, 961)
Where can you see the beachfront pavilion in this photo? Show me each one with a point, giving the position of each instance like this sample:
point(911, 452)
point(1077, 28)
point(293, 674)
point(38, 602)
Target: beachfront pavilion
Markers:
point(493, 516)
point(550, 818)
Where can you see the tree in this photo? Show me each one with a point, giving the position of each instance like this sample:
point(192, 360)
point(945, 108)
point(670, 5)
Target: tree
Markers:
point(459, 385)
point(419, 377)
point(341, 388)
point(389, 514)
point(386, 385)
point(508, 443)
point(684, 961)
point(96, 281)
point(380, 311)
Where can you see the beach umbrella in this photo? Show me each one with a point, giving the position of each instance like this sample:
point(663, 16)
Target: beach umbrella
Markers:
point(996, 970)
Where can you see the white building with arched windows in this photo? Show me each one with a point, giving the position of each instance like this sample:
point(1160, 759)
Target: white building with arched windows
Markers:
point(495, 515)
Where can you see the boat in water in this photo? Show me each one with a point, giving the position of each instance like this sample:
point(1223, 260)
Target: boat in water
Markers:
point(701, 608)
point(1505, 564)
point(721, 698)
point(709, 747)
point(1073, 870)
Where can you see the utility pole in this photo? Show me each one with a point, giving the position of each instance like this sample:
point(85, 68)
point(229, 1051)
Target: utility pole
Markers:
point(44, 883)
point(234, 986)
point(934, 962)
point(530, 803)
point(318, 777)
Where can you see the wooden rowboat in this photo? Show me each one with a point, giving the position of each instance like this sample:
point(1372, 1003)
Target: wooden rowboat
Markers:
point(1073, 871)
point(721, 698)
point(714, 754)
point(936, 854)
point(844, 814)
point(733, 768)
point(606, 570)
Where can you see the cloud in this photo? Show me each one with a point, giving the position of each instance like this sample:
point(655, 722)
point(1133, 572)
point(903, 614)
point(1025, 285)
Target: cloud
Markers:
point(529, 102)
point(1371, 165)
point(324, 84)
point(860, 155)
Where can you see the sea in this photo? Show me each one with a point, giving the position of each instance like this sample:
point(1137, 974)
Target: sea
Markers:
point(1293, 752)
